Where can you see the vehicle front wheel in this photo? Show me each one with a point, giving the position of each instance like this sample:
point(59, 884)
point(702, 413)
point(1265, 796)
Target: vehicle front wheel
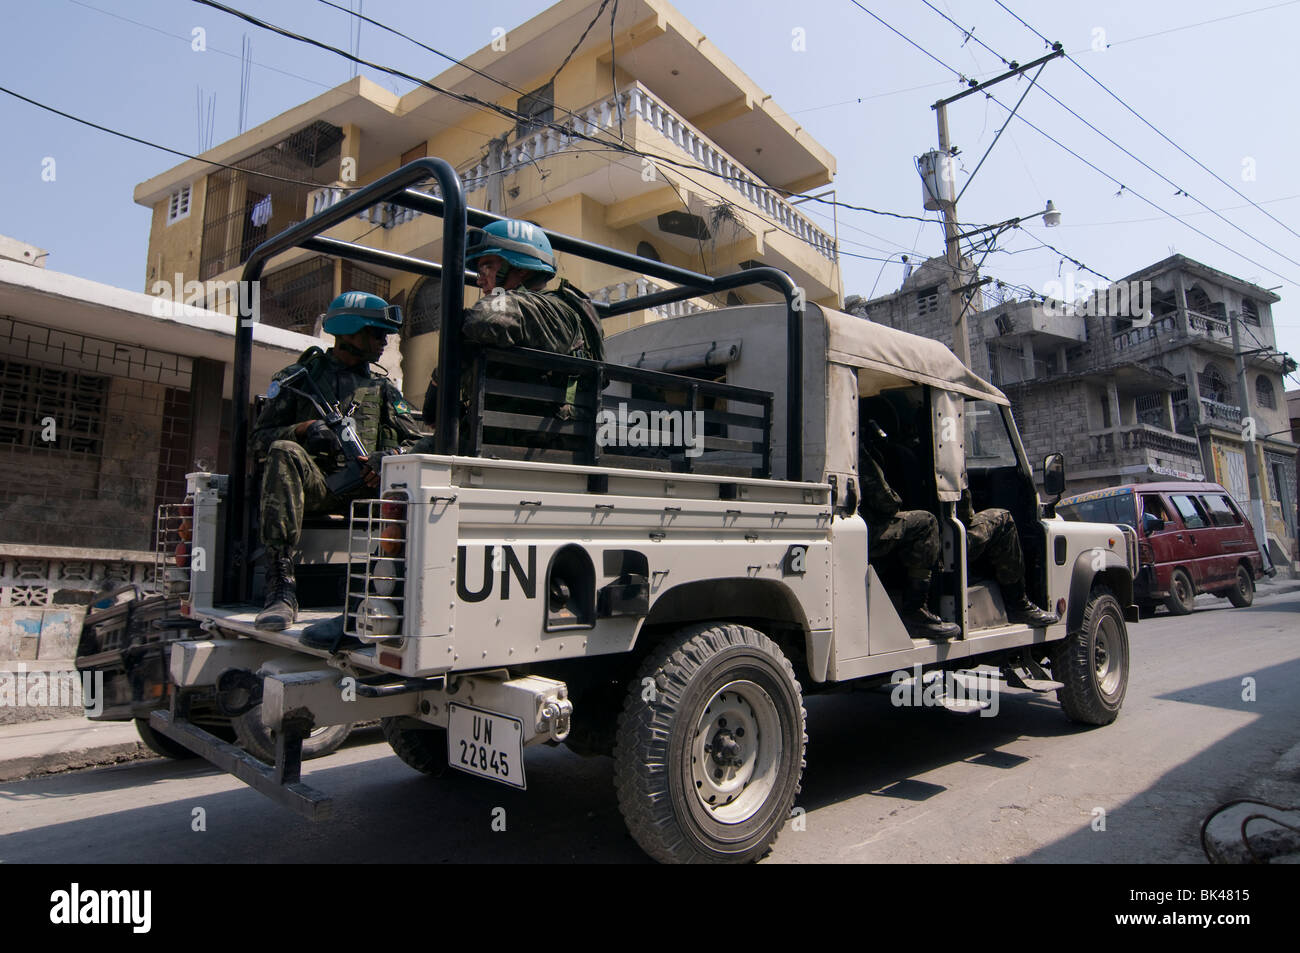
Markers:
point(1242, 592)
point(1182, 593)
point(710, 746)
point(1092, 663)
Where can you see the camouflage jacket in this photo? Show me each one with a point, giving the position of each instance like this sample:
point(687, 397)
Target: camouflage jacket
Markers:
point(562, 321)
point(382, 416)
point(879, 502)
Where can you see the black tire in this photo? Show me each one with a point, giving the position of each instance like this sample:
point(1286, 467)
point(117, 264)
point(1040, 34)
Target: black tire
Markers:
point(161, 744)
point(1182, 593)
point(1243, 593)
point(259, 740)
point(424, 749)
point(1093, 663)
point(660, 760)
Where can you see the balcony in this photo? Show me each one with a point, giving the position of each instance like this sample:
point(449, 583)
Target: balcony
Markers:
point(1216, 413)
point(1136, 342)
point(640, 105)
point(621, 291)
point(1144, 446)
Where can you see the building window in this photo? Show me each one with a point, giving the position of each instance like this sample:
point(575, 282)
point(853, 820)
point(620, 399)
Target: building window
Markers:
point(1264, 395)
point(43, 408)
point(178, 205)
point(1249, 312)
point(539, 107)
point(927, 300)
point(1214, 386)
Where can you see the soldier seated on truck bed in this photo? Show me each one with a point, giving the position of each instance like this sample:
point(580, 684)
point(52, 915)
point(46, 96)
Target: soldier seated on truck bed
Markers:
point(514, 262)
point(297, 450)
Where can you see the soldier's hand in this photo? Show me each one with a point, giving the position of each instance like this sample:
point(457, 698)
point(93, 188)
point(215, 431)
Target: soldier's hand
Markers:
point(320, 441)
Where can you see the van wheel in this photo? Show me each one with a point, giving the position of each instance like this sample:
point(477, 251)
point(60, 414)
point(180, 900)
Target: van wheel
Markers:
point(259, 740)
point(1242, 593)
point(710, 746)
point(1182, 594)
point(1092, 663)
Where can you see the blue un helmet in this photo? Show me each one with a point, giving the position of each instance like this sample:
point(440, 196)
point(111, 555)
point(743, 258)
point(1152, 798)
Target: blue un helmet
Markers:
point(354, 310)
point(522, 244)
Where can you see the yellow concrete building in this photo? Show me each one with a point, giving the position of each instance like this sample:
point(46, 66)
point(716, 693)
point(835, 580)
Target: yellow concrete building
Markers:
point(662, 89)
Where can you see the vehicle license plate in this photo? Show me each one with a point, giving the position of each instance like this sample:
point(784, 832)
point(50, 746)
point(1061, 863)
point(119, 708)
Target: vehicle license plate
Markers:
point(489, 745)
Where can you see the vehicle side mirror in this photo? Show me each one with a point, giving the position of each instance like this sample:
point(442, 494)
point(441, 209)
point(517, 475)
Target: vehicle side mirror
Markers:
point(1151, 523)
point(1054, 475)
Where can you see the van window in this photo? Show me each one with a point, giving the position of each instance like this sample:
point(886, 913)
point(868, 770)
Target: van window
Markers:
point(1191, 512)
point(1221, 513)
point(987, 442)
point(1153, 504)
point(1107, 509)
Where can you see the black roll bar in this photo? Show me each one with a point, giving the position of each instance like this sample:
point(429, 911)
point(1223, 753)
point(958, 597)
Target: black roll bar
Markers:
point(395, 189)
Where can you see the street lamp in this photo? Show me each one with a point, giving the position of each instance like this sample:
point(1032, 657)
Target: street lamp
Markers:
point(1051, 218)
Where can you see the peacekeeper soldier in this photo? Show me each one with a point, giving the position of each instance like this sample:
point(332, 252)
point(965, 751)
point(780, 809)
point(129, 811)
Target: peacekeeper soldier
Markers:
point(515, 261)
point(911, 536)
point(297, 450)
point(992, 541)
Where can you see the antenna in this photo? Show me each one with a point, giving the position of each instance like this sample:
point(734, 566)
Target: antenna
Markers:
point(245, 80)
point(205, 115)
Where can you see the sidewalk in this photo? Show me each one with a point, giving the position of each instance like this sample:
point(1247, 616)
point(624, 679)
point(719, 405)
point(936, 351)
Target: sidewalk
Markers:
point(71, 742)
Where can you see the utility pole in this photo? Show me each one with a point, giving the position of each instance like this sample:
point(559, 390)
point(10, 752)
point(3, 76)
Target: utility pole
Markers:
point(952, 244)
point(1248, 437)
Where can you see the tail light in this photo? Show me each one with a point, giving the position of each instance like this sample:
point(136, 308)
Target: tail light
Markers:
point(376, 593)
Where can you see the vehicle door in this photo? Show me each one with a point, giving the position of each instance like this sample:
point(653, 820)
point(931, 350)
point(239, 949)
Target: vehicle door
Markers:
point(1165, 544)
point(1196, 546)
point(1233, 540)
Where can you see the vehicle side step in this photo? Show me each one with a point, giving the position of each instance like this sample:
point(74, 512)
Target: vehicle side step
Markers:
point(280, 783)
point(1025, 672)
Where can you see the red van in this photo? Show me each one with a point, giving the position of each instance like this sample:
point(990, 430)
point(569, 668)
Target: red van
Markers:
point(1192, 538)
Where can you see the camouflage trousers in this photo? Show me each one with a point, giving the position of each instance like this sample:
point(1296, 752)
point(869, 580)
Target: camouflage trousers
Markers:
point(911, 537)
point(292, 486)
point(991, 539)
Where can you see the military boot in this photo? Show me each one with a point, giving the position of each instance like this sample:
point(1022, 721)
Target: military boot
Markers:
point(920, 621)
point(281, 606)
point(329, 635)
point(1020, 609)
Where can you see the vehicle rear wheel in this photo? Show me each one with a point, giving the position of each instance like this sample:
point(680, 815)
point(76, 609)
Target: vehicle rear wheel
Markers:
point(1182, 593)
point(161, 744)
point(423, 748)
point(259, 740)
point(1242, 593)
point(1092, 663)
point(710, 746)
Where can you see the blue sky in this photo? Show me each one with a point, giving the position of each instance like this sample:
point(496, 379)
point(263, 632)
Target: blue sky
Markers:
point(1223, 91)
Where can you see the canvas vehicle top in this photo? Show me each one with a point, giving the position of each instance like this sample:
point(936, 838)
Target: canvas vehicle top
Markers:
point(663, 576)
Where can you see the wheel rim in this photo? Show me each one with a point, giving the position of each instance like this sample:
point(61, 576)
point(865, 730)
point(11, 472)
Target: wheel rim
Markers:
point(1108, 657)
point(1245, 585)
point(1182, 590)
point(735, 752)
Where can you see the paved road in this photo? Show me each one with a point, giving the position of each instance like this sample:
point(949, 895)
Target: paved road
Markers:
point(883, 784)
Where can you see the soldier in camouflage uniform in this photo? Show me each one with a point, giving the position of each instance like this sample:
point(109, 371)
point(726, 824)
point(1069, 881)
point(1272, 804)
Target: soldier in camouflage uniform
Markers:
point(514, 260)
point(910, 536)
point(297, 451)
point(993, 543)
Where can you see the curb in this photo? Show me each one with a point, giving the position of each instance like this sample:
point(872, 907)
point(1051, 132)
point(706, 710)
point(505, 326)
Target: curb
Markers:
point(18, 769)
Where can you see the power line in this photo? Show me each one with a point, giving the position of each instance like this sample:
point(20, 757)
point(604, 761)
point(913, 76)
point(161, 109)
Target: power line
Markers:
point(1117, 145)
point(1091, 165)
point(1153, 128)
point(154, 145)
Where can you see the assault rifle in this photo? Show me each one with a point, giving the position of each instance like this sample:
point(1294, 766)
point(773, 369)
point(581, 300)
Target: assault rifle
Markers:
point(353, 472)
